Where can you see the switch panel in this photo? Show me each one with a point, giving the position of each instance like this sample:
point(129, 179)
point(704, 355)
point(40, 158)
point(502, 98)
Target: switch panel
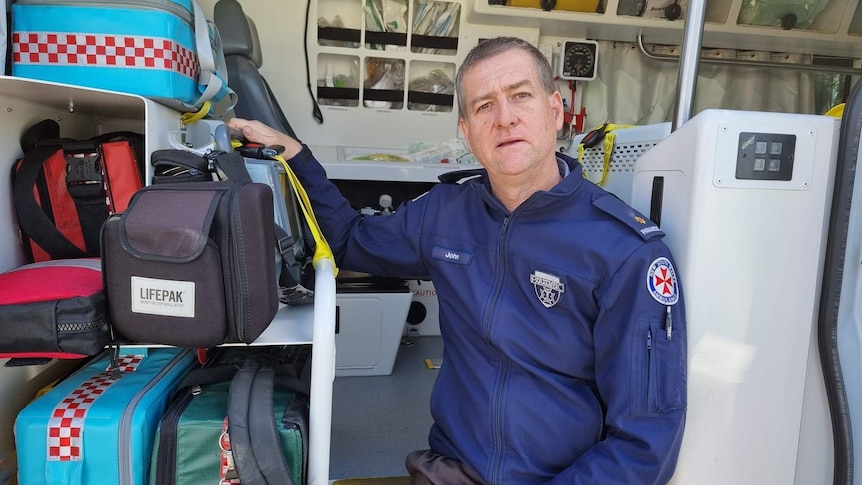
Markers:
point(765, 156)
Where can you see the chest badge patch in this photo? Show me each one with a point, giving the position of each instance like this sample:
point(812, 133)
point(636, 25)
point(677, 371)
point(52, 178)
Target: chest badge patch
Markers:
point(661, 282)
point(548, 288)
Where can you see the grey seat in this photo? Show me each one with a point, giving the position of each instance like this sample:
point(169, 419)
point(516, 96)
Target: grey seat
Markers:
point(243, 57)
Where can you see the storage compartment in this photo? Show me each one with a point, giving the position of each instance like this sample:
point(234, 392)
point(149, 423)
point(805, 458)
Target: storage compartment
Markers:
point(81, 113)
point(370, 314)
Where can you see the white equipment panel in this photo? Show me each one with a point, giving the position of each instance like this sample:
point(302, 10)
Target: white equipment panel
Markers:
point(745, 205)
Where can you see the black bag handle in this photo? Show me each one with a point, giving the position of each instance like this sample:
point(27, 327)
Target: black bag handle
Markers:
point(239, 403)
point(262, 426)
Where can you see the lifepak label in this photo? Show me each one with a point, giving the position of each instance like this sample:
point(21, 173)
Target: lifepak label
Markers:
point(170, 298)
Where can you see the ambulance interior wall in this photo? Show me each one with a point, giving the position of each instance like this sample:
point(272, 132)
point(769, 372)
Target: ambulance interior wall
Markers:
point(21, 105)
point(281, 26)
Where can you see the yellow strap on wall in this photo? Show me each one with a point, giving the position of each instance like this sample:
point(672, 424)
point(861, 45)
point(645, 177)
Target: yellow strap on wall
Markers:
point(607, 149)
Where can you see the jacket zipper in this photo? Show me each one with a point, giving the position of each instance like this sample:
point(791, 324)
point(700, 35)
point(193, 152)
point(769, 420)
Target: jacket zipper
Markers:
point(498, 396)
point(168, 6)
point(124, 460)
point(648, 380)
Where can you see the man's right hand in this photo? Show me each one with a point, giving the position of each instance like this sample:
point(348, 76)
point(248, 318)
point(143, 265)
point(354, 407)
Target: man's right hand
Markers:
point(257, 132)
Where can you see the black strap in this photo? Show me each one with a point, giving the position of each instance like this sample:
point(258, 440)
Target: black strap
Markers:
point(239, 402)
point(208, 375)
point(84, 183)
point(254, 438)
point(262, 426)
point(231, 165)
point(32, 219)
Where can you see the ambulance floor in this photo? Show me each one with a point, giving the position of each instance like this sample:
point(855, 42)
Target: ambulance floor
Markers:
point(378, 420)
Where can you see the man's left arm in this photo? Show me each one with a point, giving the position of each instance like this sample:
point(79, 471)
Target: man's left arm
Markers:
point(640, 368)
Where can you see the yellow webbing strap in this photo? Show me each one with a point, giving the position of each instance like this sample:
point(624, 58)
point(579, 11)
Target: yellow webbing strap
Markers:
point(321, 247)
point(607, 149)
point(189, 118)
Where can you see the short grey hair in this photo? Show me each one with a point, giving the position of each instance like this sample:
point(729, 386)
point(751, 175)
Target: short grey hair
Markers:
point(498, 45)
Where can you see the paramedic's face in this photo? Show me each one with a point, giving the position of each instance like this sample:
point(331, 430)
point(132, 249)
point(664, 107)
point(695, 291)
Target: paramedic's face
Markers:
point(509, 121)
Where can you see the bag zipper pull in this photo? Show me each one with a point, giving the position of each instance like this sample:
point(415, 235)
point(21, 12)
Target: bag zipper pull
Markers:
point(114, 358)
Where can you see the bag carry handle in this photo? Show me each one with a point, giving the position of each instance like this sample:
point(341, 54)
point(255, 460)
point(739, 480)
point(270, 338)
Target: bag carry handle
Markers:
point(259, 461)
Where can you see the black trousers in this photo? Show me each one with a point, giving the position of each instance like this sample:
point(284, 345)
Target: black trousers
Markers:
point(429, 468)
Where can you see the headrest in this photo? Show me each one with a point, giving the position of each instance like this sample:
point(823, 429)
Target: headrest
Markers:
point(238, 32)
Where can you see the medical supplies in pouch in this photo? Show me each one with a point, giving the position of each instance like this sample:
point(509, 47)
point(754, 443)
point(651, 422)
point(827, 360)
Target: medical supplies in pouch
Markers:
point(786, 14)
point(165, 50)
point(98, 425)
point(53, 309)
point(64, 189)
point(192, 264)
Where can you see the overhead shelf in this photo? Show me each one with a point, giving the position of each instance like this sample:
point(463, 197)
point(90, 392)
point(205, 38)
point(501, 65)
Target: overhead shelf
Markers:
point(836, 30)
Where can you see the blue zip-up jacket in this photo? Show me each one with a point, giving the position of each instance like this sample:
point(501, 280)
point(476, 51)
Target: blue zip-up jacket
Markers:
point(563, 325)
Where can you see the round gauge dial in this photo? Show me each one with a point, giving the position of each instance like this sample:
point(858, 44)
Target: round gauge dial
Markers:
point(579, 60)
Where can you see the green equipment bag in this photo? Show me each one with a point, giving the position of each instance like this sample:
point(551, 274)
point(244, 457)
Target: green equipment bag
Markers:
point(202, 438)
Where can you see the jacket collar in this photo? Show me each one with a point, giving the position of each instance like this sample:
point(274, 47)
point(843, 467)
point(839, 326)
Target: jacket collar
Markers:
point(478, 178)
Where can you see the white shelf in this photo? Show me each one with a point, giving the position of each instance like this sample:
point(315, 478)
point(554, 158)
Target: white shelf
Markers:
point(339, 169)
point(292, 325)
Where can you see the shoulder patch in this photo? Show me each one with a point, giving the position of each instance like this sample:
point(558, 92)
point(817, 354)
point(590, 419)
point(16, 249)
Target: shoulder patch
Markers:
point(662, 283)
point(618, 209)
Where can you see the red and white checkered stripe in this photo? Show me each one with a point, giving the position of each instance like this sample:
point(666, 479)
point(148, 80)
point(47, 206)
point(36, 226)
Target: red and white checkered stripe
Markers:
point(66, 424)
point(103, 50)
point(128, 362)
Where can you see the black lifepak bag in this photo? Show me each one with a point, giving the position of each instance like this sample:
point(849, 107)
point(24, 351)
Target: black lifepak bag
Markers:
point(192, 264)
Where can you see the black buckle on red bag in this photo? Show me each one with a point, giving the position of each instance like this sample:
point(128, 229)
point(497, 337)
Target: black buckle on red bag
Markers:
point(83, 169)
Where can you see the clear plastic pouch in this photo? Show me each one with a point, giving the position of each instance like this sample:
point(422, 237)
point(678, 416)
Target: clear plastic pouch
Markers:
point(786, 14)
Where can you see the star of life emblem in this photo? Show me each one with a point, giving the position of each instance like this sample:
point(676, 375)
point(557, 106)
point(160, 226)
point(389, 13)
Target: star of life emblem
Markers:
point(661, 282)
point(548, 288)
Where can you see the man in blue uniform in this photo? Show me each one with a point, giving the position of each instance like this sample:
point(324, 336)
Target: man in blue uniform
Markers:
point(561, 314)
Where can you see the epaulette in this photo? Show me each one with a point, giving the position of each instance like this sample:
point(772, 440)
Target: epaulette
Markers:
point(618, 209)
point(460, 176)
